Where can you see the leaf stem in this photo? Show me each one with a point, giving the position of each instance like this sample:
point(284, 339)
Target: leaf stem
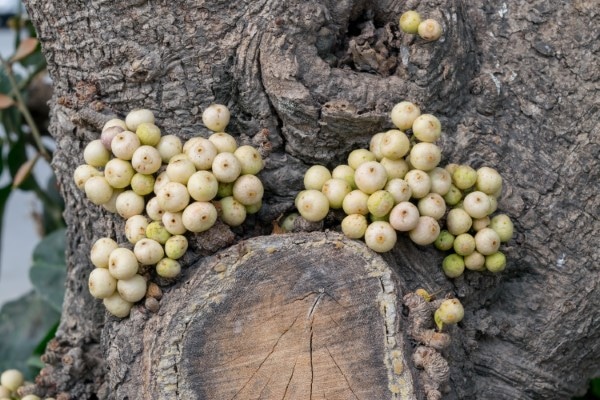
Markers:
point(23, 108)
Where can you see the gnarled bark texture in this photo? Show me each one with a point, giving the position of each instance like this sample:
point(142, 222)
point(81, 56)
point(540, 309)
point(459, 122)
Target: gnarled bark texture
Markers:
point(516, 87)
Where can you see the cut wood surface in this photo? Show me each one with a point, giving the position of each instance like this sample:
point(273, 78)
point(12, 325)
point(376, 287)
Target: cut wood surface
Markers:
point(275, 317)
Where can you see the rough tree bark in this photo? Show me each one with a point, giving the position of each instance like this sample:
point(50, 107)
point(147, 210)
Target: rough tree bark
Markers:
point(516, 86)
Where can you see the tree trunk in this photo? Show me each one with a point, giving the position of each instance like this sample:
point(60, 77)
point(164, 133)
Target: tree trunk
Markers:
point(516, 87)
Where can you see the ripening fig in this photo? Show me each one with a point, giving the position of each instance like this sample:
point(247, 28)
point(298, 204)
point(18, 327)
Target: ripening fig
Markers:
point(453, 265)
point(129, 204)
point(475, 261)
point(375, 145)
point(248, 189)
point(148, 133)
point(156, 231)
point(95, 154)
point(453, 196)
point(488, 181)
point(201, 152)
point(380, 203)
point(380, 236)
point(395, 168)
point(98, 190)
point(203, 186)
point(114, 122)
point(450, 311)
point(122, 263)
point(464, 244)
point(427, 128)
point(399, 189)
point(409, 23)
point(477, 204)
point(138, 116)
point(495, 262)
point(153, 210)
point(124, 144)
point(146, 160)
point(394, 144)
point(253, 208)
point(180, 169)
point(444, 241)
point(354, 226)
point(419, 183)
point(224, 142)
point(458, 221)
point(404, 113)
point(226, 167)
point(135, 228)
point(199, 216)
point(250, 160)
point(404, 216)
point(355, 202)
point(223, 189)
point(169, 146)
point(148, 251)
point(441, 180)
point(503, 226)
point(336, 190)
point(233, 213)
point(316, 176)
point(493, 204)
point(464, 177)
point(370, 177)
point(101, 251)
point(425, 156)
point(480, 223)
point(287, 223)
point(118, 173)
point(426, 231)
point(142, 184)
point(168, 268)
point(344, 172)
point(173, 223)
point(433, 205)
point(176, 246)
point(429, 30)
point(109, 134)
point(360, 156)
point(132, 289)
point(173, 197)
point(111, 204)
point(101, 283)
point(161, 180)
point(12, 379)
point(117, 306)
point(83, 173)
point(216, 117)
point(312, 205)
point(487, 241)
point(5, 393)
point(31, 397)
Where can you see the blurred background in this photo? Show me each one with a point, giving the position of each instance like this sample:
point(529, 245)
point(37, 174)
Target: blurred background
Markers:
point(20, 231)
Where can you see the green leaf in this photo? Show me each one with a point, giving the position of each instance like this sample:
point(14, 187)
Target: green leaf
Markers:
point(48, 273)
point(5, 86)
point(23, 324)
point(595, 387)
point(17, 156)
point(41, 347)
point(4, 194)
